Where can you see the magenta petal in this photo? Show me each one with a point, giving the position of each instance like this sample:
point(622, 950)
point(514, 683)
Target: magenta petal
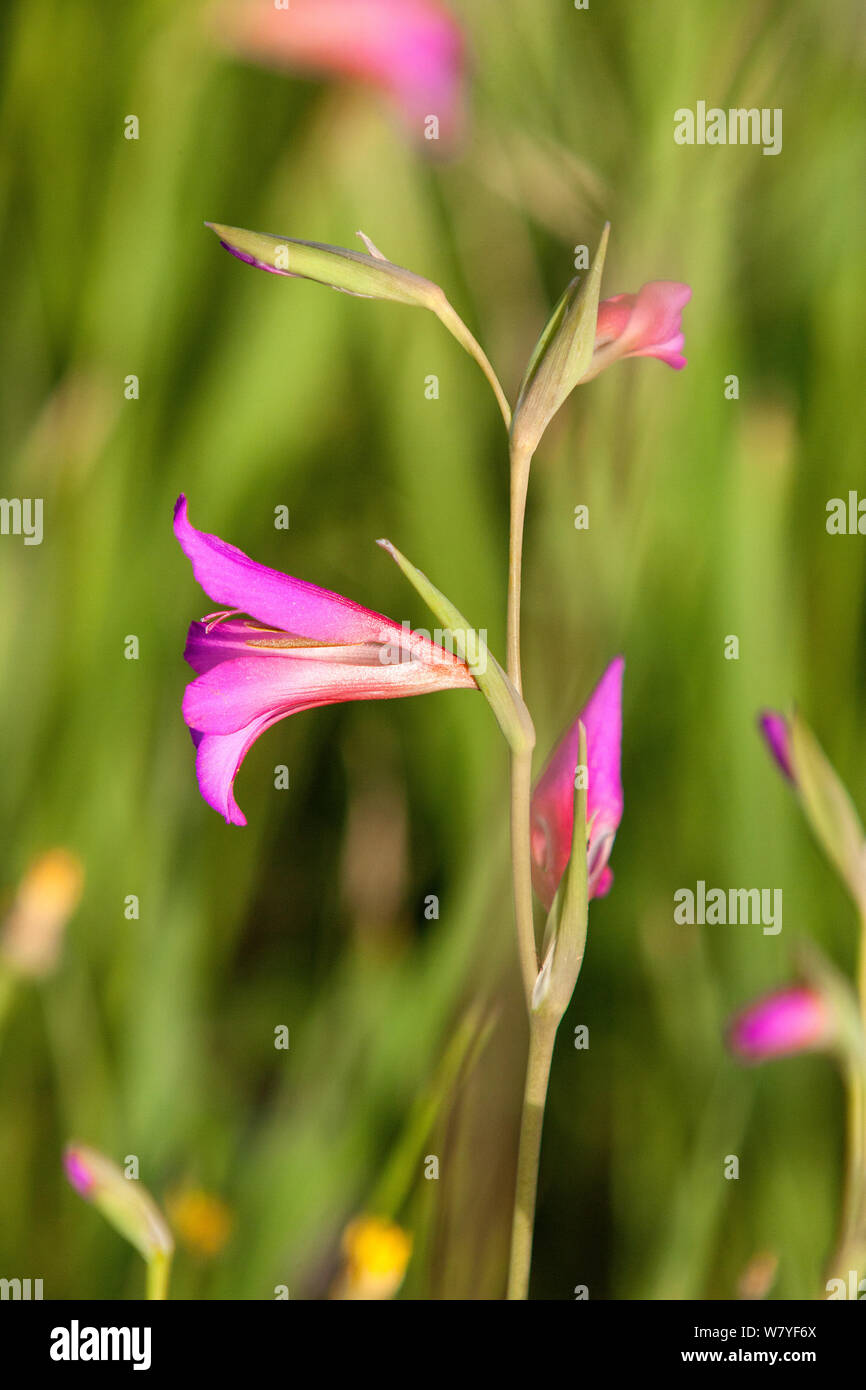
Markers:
point(208, 644)
point(230, 695)
point(260, 692)
point(231, 578)
point(218, 759)
point(613, 317)
point(552, 818)
point(604, 884)
point(656, 317)
point(647, 324)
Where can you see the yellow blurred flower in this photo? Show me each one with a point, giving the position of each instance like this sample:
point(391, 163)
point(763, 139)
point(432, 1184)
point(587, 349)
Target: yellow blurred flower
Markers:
point(376, 1254)
point(202, 1222)
point(47, 896)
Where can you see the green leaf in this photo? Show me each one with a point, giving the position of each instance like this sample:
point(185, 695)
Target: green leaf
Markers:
point(829, 809)
point(507, 705)
point(565, 932)
point(562, 356)
point(843, 1006)
point(470, 1038)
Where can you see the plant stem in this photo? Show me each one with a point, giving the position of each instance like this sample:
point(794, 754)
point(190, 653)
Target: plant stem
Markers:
point(521, 762)
point(158, 1273)
point(520, 465)
point(448, 315)
point(542, 1031)
point(542, 1035)
point(851, 1248)
point(521, 871)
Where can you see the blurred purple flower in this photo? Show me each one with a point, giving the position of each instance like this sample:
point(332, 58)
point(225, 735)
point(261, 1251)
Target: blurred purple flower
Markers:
point(552, 815)
point(300, 647)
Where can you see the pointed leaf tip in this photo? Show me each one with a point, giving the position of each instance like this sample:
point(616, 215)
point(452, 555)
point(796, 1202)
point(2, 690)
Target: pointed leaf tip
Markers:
point(505, 701)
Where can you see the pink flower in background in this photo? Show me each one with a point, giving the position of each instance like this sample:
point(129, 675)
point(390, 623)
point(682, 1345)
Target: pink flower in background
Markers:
point(412, 50)
point(775, 729)
point(552, 816)
point(646, 324)
point(792, 1020)
point(300, 647)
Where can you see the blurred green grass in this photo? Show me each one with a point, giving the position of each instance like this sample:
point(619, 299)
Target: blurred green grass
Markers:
point(707, 518)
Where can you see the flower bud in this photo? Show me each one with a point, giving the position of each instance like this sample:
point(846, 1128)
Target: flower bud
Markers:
point(825, 800)
point(552, 815)
point(124, 1202)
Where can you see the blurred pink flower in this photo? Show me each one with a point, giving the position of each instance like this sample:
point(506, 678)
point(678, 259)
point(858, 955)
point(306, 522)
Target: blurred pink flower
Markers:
point(646, 324)
point(792, 1020)
point(552, 816)
point(775, 729)
point(77, 1171)
point(411, 50)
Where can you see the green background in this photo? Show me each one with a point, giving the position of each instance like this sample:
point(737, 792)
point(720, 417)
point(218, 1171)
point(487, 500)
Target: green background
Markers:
point(707, 518)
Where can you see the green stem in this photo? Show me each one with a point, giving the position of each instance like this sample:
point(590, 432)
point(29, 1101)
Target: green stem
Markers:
point(158, 1274)
point(521, 870)
point(851, 1247)
point(541, 1031)
point(542, 1035)
point(448, 315)
point(521, 762)
point(520, 466)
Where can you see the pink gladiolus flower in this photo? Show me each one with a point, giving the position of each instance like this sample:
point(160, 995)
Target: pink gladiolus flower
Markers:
point(789, 1021)
point(646, 324)
point(552, 817)
point(412, 50)
point(300, 646)
point(778, 736)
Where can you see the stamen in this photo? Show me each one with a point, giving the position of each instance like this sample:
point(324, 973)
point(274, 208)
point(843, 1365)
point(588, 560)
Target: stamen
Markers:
point(212, 619)
point(303, 648)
